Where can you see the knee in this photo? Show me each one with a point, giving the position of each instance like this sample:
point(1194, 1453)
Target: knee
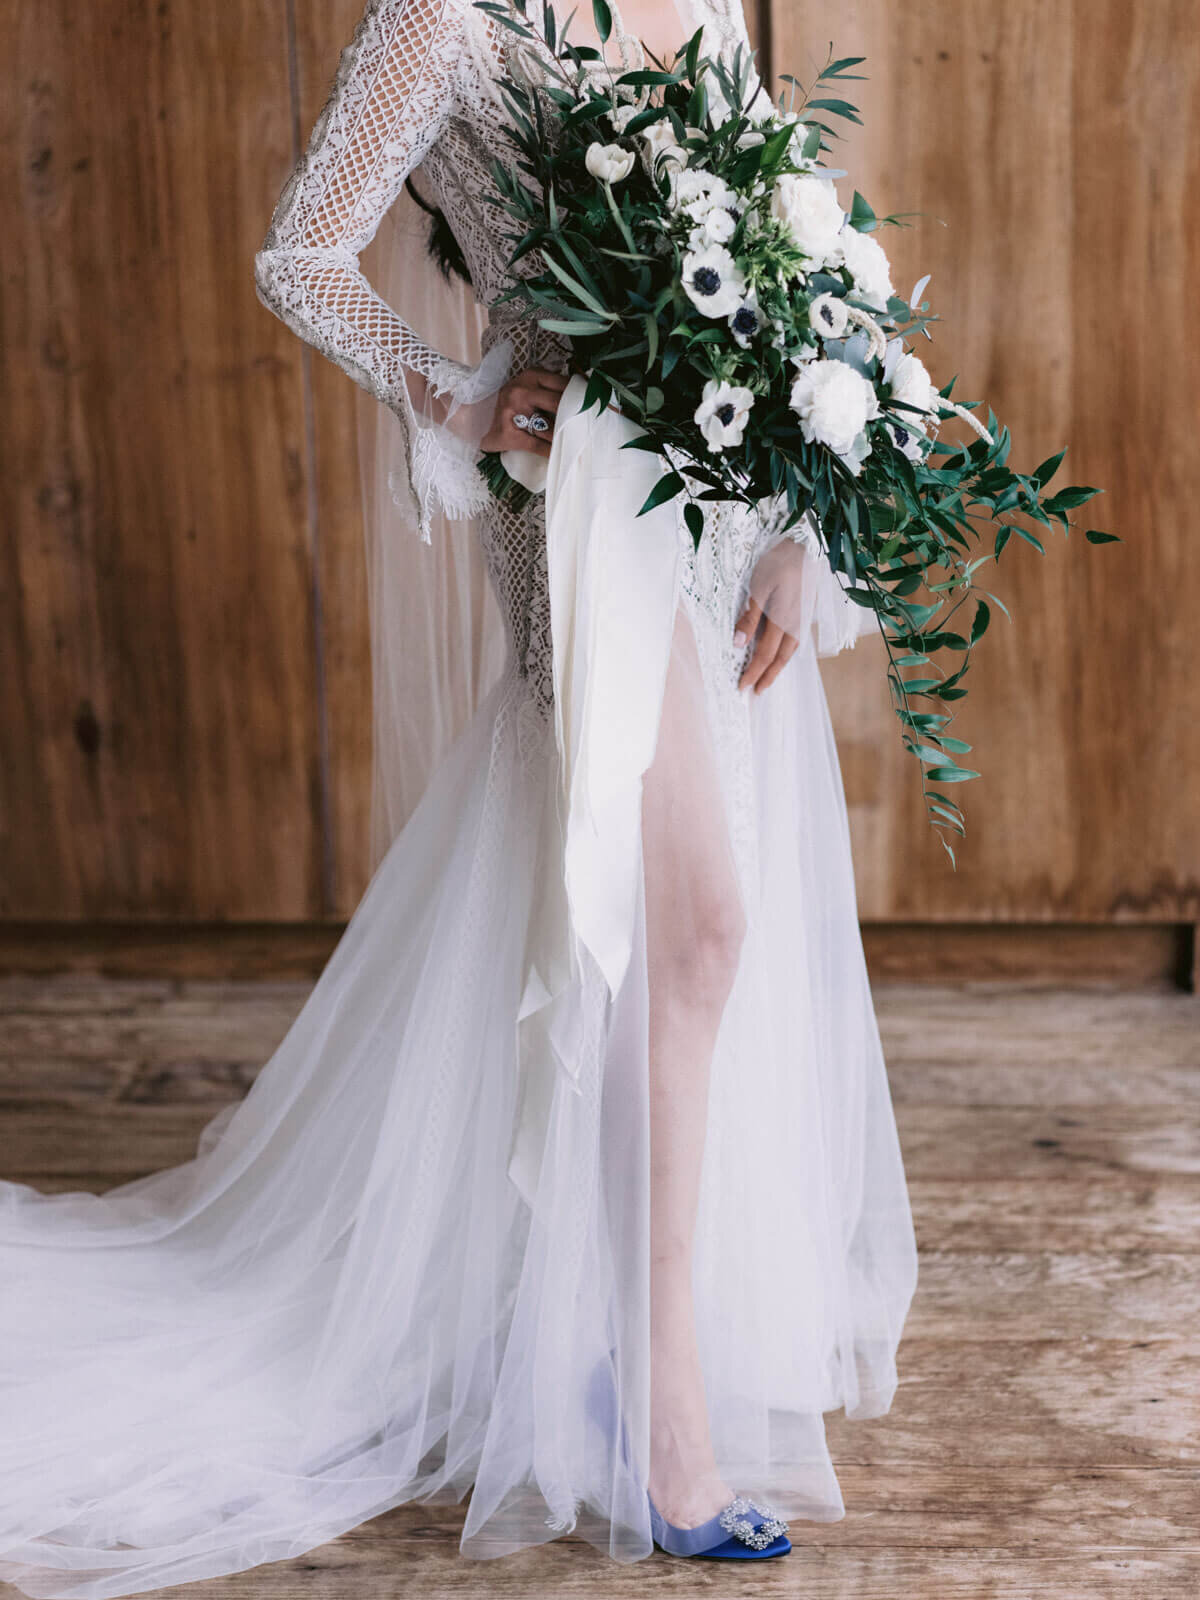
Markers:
point(707, 951)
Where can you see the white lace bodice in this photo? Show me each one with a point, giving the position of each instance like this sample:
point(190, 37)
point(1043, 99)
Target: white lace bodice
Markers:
point(416, 87)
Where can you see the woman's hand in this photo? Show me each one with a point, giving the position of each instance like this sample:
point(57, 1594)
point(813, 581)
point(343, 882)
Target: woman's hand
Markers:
point(531, 391)
point(780, 603)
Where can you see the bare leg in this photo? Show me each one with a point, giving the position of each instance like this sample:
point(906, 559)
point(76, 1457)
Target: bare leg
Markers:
point(694, 931)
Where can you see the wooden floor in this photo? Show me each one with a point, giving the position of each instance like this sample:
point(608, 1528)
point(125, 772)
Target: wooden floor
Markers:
point(1045, 1438)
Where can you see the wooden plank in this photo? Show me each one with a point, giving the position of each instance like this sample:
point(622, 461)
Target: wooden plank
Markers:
point(933, 954)
point(1052, 955)
point(1054, 1402)
point(1104, 1210)
point(1055, 1294)
point(938, 1509)
point(1005, 132)
point(200, 950)
point(1043, 1438)
point(428, 1565)
point(1033, 1141)
point(159, 744)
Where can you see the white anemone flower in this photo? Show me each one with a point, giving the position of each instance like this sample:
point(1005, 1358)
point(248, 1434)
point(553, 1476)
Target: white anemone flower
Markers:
point(908, 438)
point(829, 316)
point(746, 322)
point(834, 404)
point(713, 281)
point(608, 162)
point(722, 414)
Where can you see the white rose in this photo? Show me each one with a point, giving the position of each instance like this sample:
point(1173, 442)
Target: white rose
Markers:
point(723, 413)
point(828, 316)
point(608, 162)
point(809, 210)
point(834, 404)
point(713, 281)
point(910, 381)
point(869, 267)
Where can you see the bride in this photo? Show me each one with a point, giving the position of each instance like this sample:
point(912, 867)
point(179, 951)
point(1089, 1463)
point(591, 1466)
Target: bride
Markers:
point(576, 1182)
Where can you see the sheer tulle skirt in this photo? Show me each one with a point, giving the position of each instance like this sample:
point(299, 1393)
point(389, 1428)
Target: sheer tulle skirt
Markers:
point(343, 1302)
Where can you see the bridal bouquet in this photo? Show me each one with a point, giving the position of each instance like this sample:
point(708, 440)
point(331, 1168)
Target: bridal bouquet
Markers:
point(679, 229)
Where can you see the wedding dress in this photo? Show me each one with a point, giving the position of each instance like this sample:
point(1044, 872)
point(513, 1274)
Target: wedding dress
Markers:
point(413, 1261)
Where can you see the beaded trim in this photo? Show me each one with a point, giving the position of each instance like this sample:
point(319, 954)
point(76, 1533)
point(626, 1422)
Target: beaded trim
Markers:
point(754, 1525)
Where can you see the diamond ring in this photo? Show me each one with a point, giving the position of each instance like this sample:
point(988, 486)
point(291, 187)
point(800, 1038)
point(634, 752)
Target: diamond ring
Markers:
point(538, 423)
point(523, 422)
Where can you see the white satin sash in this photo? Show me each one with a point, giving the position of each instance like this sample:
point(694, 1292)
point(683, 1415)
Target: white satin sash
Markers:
point(613, 579)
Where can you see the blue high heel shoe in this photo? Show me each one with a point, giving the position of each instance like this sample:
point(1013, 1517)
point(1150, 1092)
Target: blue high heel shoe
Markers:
point(742, 1532)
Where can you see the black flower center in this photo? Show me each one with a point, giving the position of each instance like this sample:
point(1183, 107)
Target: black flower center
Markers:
point(901, 434)
point(706, 280)
point(745, 321)
point(725, 414)
point(827, 316)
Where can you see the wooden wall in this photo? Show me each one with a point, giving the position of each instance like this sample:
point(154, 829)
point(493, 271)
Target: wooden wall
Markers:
point(184, 726)
point(1052, 152)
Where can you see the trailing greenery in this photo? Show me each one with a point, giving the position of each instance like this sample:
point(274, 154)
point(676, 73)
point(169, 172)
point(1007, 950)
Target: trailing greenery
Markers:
point(680, 231)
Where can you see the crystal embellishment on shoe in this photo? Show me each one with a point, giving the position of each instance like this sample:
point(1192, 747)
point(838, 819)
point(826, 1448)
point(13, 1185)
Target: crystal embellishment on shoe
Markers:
point(755, 1525)
point(744, 1531)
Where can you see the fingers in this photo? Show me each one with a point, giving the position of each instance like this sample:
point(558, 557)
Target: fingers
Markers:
point(506, 436)
point(544, 378)
point(764, 654)
point(787, 649)
point(746, 625)
point(534, 390)
point(765, 651)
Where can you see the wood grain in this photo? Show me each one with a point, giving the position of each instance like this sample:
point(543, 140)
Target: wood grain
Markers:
point(185, 724)
point(1043, 1440)
point(1045, 155)
point(158, 741)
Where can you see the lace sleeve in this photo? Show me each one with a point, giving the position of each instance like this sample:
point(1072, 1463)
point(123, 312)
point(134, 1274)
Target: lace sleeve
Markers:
point(395, 90)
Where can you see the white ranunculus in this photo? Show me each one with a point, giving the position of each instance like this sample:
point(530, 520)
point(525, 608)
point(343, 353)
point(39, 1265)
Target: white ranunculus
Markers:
point(834, 404)
point(608, 162)
point(622, 116)
point(663, 152)
point(809, 210)
point(828, 316)
point(722, 414)
point(713, 281)
point(696, 192)
point(869, 267)
point(717, 227)
point(909, 379)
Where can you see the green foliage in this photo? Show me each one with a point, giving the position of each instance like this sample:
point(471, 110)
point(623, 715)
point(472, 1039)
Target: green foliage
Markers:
point(913, 518)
